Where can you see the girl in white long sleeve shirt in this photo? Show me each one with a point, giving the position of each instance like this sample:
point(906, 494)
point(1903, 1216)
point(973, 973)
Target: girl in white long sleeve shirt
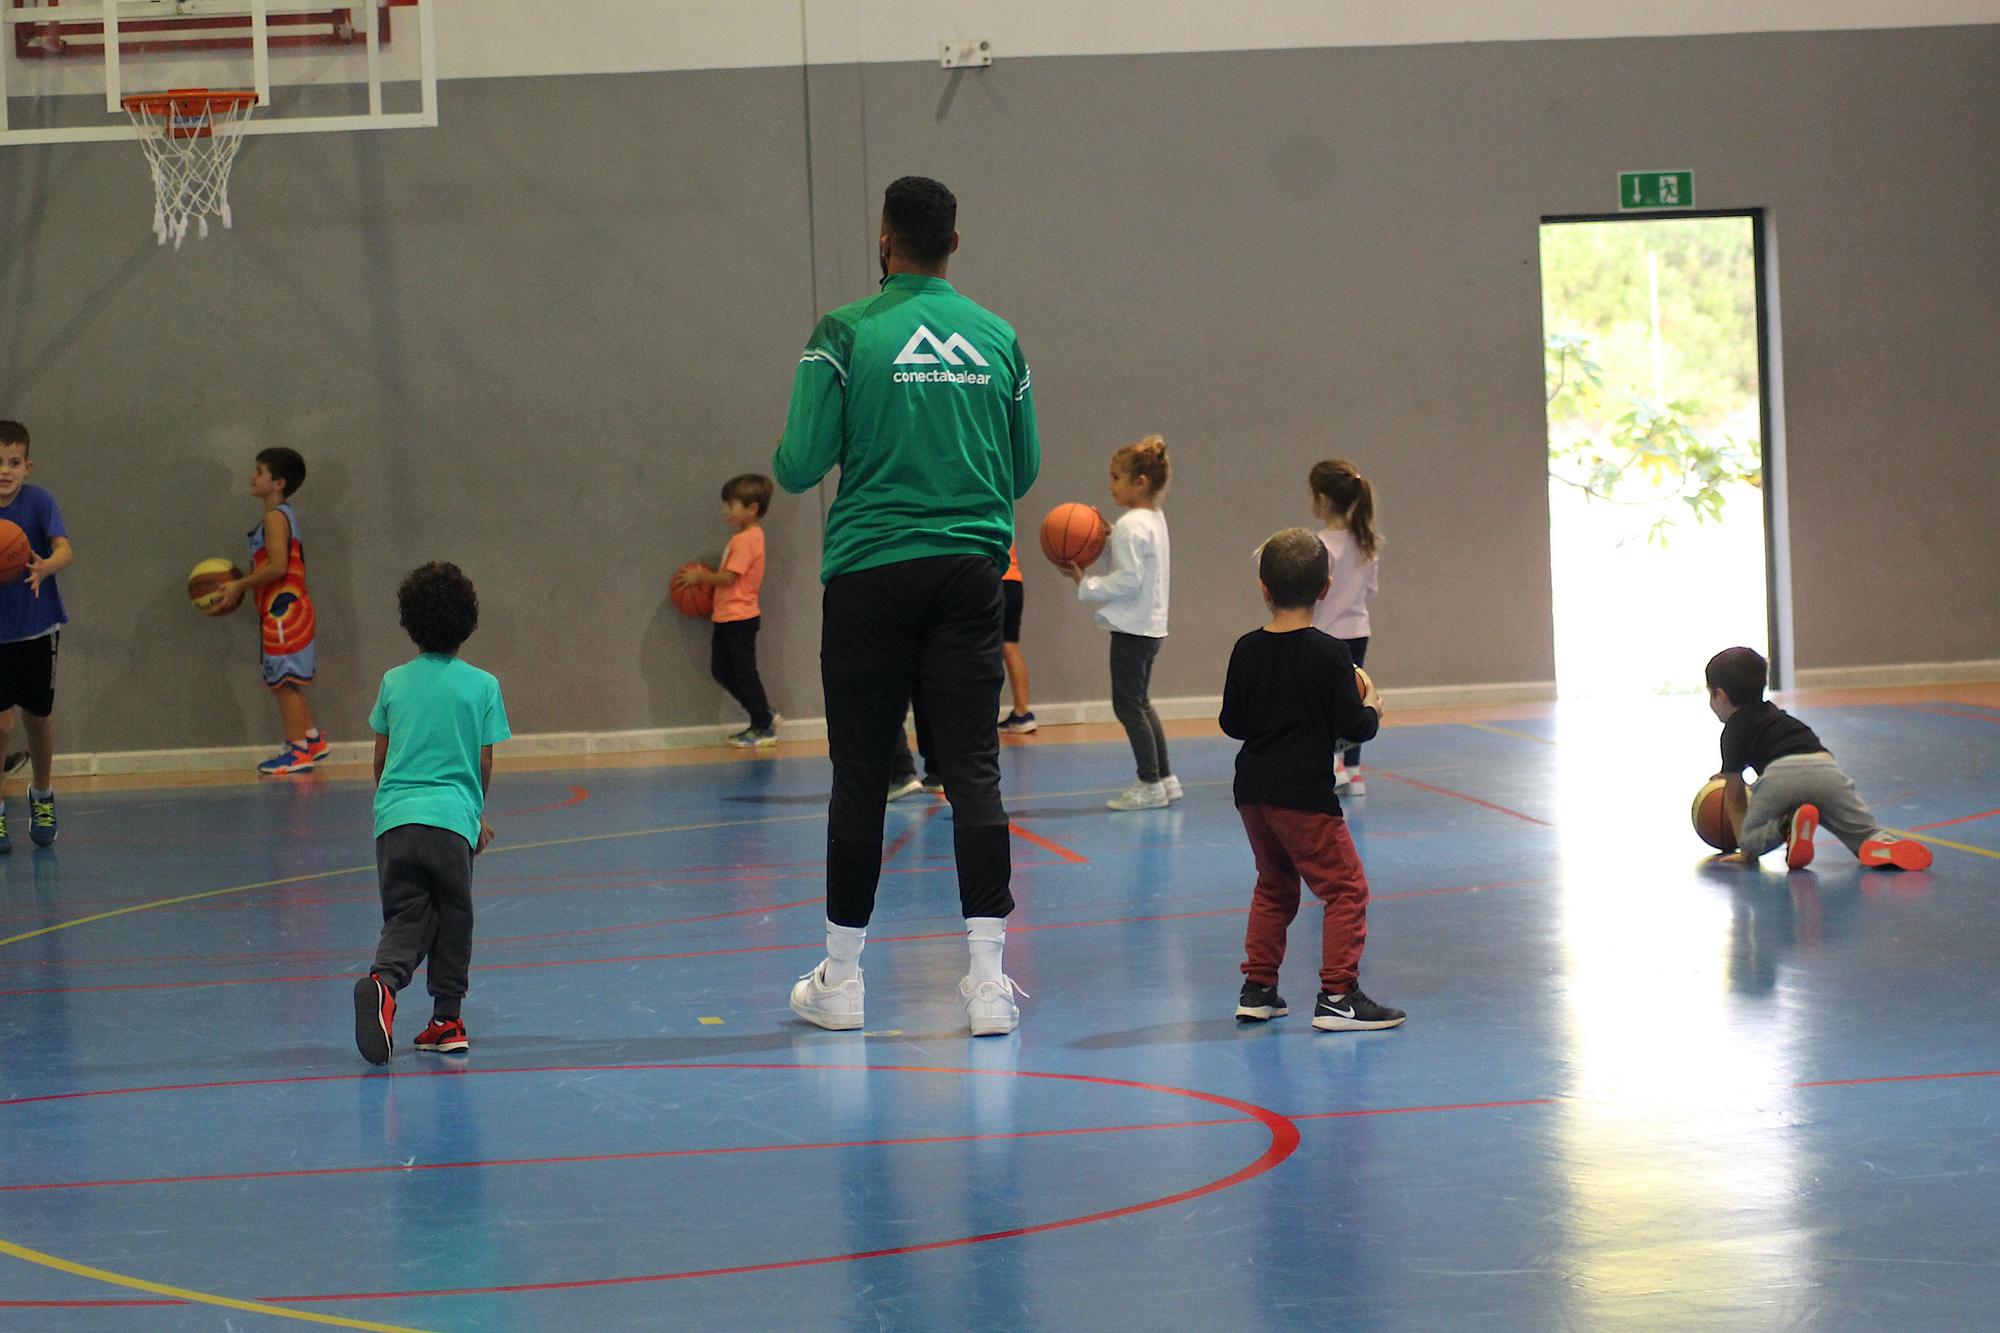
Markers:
point(1132, 605)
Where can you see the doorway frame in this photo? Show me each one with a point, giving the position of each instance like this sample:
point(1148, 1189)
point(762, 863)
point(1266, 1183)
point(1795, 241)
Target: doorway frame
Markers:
point(1770, 411)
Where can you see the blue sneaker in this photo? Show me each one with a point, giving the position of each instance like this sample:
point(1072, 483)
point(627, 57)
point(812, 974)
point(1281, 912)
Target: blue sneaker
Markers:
point(293, 758)
point(1018, 724)
point(6, 838)
point(42, 820)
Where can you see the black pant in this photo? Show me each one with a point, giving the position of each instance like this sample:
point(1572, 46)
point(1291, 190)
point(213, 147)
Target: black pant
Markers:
point(929, 630)
point(732, 660)
point(1131, 701)
point(426, 876)
point(1358, 649)
point(902, 764)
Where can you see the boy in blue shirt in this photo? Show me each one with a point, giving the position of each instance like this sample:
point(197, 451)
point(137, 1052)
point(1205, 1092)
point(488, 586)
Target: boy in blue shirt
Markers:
point(436, 721)
point(31, 621)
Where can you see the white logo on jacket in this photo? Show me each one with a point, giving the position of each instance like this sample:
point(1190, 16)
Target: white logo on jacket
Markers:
point(946, 351)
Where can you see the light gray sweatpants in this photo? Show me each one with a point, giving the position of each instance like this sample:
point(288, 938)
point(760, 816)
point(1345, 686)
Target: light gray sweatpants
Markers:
point(1798, 780)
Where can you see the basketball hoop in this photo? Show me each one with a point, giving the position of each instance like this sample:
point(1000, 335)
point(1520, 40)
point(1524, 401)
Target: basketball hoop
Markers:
point(190, 136)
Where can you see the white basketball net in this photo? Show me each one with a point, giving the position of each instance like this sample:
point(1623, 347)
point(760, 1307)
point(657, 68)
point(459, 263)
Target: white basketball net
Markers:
point(190, 145)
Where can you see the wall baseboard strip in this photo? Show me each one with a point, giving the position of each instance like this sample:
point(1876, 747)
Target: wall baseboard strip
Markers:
point(1903, 673)
point(582, 744)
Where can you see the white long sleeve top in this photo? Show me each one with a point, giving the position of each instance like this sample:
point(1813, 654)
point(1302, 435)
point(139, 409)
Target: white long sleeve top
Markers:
point(1133, 593)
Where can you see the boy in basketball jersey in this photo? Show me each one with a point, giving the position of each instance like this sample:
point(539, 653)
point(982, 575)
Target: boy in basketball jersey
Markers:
point(284, 611)
point(31, 621)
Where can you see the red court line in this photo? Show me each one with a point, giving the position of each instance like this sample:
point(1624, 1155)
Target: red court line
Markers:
point(1420, 1110)
point(650, 1156)
point(930, 813)
point(577, 796)
point(1461, 796)
point(1048, 845)
point(1897, 1078)
point(1284, 1141)
point(1962, 819)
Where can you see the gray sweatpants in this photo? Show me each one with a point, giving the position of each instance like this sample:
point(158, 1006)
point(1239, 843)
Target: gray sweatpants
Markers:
point(426, 877)
point(1802, 779)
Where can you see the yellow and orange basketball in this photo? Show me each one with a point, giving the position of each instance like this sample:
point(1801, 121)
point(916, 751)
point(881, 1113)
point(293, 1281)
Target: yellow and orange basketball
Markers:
point(1711, 824)
point(1074, 534)
point(205, 582)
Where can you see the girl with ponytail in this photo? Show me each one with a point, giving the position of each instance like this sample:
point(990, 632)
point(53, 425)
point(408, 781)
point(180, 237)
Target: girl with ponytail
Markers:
point(1344, 503)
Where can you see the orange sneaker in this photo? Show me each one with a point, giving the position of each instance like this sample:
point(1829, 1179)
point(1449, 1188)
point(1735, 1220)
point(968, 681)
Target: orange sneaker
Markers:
point(1799, 842)
point(1896, 853)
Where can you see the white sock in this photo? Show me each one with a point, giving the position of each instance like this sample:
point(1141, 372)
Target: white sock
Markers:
point(985, 936)
point(34, 795)
point(843, 952)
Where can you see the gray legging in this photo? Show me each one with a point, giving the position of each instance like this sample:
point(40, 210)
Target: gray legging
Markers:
point(1794, 781)
point(1131, 690)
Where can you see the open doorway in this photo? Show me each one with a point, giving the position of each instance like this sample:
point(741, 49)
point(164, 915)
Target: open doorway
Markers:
point(1657, 424)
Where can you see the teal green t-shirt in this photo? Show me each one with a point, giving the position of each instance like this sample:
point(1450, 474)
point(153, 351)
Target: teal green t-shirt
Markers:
point(921, 398)
point(438, 712)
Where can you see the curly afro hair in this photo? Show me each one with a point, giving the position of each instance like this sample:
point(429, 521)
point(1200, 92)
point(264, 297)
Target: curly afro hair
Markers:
point(438, 606)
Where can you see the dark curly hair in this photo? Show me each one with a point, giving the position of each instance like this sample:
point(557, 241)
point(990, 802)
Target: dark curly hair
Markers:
point(438, 606)
point(922, 214)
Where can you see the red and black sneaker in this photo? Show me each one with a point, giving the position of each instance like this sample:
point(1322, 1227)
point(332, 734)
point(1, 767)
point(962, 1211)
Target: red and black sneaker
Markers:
point(374, 1019)
point(1799, 839)
point(317, 748)
point(446, 1035)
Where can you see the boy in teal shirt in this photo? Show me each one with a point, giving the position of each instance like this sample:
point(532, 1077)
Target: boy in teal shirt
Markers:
point(436, 721)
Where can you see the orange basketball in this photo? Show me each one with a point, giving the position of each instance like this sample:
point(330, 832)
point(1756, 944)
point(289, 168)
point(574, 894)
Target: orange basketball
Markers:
point(205, 582)
point(1074, 534)
point(695, 599)
point(1711, 825)
point(14, 552)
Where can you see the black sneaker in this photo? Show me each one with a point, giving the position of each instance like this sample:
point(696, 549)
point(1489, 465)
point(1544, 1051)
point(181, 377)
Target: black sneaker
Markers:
point(1352, 1012)
point(374, 1020)
point(1259, 1004)
point(933, 784)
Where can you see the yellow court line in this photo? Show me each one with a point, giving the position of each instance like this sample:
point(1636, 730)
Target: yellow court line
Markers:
point(1946, 842)
point(356, 870)
point(183, 1294)
point(1502, 731)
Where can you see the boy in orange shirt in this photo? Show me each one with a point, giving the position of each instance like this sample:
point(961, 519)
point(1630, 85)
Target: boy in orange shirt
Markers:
point(737, 615)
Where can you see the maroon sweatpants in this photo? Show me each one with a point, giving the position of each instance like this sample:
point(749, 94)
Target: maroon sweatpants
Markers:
point(1297, 844)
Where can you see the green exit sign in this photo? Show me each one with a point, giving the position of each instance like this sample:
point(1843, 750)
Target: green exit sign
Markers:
point(1655, 189)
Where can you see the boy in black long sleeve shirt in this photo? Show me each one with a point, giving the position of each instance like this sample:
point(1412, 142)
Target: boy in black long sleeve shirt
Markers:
point(1291, 697)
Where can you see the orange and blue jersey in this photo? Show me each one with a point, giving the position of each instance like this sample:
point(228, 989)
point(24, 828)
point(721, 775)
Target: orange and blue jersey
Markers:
point(284, 612)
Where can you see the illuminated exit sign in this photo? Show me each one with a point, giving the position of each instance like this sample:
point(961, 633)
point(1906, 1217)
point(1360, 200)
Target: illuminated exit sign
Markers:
point(1655, 189)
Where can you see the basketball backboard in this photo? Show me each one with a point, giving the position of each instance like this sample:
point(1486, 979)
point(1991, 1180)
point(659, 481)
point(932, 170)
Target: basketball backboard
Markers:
point(67, 66)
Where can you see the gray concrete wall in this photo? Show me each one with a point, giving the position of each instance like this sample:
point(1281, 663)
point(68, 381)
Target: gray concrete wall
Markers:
point(537, 339)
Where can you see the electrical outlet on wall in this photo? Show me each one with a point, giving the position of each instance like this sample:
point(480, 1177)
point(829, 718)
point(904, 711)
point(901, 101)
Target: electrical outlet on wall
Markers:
point(966, 53)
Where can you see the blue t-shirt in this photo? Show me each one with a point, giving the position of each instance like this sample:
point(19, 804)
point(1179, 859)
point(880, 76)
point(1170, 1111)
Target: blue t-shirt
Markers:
point(438, 712)
point(23, 615)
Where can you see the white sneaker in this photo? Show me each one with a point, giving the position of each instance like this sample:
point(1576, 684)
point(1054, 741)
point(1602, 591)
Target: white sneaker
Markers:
point(899, 789)
point(990, 1007)
point(1341, 777)
point(835, 1008)
point(1172, 786)
point(1355, 786)
point(1140, 796)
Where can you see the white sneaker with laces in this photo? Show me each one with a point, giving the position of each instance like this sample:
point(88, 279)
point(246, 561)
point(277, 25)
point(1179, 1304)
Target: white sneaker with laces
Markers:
point(835, 1008)
point(990, 1007)
point(1172, 786)
point(1140, 796)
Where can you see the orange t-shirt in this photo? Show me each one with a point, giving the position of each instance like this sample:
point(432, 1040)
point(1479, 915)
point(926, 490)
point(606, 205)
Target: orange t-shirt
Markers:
point(745, 555)
point(1013, 574)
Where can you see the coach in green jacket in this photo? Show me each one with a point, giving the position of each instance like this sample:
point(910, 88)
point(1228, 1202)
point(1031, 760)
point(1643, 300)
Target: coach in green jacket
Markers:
point(921, 398)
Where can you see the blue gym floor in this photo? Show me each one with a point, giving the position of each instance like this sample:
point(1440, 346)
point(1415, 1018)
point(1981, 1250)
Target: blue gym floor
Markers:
point(1636, 1089)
